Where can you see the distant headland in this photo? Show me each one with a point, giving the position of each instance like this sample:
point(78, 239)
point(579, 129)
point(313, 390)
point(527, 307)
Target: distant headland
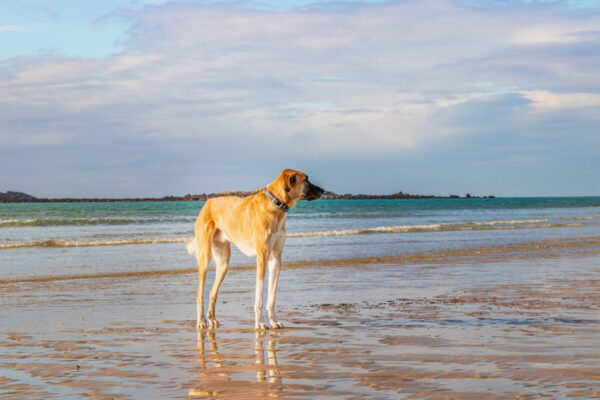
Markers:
point(19, 197)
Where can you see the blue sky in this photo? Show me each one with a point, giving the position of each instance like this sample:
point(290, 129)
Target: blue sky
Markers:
point(149, 97)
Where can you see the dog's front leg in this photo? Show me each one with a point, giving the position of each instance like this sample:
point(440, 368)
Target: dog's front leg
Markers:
point(274, 267)
point(260, 286)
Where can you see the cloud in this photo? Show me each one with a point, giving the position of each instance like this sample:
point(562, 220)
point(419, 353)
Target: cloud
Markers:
point(14, 28)
point(204, 85)
point(546, 101)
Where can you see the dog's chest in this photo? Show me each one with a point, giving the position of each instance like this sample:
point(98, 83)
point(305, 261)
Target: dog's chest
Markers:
point(277, 236)
point(275, 240)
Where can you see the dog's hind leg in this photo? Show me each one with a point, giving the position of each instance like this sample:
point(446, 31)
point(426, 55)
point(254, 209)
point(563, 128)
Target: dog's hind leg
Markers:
point(221, 252)
point(204, 235)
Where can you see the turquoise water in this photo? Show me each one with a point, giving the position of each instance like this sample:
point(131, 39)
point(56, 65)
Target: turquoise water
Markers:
point(63, 239)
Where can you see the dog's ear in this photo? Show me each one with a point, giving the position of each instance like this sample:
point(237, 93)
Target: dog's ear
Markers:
point(292, 182)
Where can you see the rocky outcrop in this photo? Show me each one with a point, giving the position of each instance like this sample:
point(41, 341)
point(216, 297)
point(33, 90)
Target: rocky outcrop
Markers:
point(204, 196)
point(18, 197)
point(15, 197)
point(398, 195)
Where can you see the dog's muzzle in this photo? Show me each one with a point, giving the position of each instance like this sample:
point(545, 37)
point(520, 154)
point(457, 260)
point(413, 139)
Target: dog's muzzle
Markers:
point(311, 192)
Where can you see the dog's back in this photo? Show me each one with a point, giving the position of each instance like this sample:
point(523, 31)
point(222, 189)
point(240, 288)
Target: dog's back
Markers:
point(218, 213)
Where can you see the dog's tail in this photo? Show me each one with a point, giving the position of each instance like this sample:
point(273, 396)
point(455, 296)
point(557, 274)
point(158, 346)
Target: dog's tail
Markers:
point(191, 246)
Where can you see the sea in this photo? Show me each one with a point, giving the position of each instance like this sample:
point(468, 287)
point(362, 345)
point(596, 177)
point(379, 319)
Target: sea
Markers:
point(51, 241)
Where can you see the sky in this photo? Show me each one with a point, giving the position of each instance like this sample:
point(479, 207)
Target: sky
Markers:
point(136, 98)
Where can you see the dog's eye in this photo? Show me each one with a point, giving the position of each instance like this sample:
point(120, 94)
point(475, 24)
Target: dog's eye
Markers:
point(293, 180)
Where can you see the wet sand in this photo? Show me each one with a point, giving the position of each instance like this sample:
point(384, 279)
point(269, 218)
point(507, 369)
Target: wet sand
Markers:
point(512, 323)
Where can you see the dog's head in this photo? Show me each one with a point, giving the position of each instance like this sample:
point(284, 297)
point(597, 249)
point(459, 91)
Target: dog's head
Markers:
point(293, 186)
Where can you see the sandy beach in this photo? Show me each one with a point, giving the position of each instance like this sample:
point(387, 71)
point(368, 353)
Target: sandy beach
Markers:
point(511, 323)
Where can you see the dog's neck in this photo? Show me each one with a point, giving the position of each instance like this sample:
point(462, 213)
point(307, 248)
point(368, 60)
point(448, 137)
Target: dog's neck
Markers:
point(277, 202)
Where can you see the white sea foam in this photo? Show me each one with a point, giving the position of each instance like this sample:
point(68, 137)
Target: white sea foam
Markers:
point(580, 218)
point(10, 222)
point(511, 222)
point(376, 229)
point(89, 243)
point(484, 225)
point(91, 221)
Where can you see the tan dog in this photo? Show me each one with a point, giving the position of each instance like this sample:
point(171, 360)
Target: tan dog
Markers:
point(256, 225)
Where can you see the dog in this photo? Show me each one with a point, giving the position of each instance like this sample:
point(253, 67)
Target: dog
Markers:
point(256, 225)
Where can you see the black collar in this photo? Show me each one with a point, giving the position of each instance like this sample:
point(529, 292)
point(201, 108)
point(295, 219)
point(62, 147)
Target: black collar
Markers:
point(278, 203)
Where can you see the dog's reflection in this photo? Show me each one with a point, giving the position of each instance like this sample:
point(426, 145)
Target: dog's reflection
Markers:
point(209, 358)
point(216, 365)
point(271, 372)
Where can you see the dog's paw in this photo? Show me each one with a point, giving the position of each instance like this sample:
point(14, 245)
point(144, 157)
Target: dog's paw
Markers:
point(201, 324)
point(261, 327)
point(276, 325)
point(213, 323)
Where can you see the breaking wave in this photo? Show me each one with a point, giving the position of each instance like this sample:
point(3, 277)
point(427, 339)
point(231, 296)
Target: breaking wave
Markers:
point(467, 226)
point(40, 222)
point(88, 243)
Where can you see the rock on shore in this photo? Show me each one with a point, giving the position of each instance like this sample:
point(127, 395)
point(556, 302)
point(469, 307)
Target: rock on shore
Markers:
point(11, 196)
